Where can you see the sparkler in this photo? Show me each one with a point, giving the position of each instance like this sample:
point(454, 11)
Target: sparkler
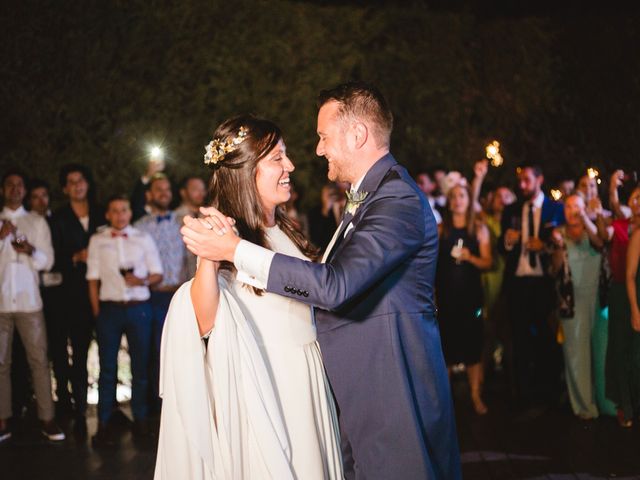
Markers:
point(493, 153)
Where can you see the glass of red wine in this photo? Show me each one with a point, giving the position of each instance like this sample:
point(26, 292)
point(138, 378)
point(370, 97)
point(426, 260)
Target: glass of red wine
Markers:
point(18, 240)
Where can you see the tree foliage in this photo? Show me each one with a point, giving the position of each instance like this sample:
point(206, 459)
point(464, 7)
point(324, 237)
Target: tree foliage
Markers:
point(97, 82)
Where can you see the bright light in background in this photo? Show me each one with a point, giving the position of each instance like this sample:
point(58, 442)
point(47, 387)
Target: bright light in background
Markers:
point(556, 194)
point(493, 153)
point(156, 153)
point(592, 172)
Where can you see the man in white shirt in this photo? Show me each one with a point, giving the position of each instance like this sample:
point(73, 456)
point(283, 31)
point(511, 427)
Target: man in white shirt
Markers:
point(423, 180)
point(122, 262)
point(25, 249)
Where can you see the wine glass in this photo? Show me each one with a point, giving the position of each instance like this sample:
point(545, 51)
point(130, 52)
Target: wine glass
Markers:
point(19, 239)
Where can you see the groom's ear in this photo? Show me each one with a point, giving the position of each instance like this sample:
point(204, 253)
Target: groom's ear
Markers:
point(361, 133)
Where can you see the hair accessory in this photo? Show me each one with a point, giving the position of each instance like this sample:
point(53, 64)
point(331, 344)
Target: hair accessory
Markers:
point(217, 148)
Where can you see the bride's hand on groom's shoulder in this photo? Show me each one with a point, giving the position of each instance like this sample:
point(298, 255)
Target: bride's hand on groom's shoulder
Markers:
point(212, 237)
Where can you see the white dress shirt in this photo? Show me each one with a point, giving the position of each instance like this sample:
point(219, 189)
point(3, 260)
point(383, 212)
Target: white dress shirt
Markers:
point(108, 253)
point(19, 280)
point(524, 268)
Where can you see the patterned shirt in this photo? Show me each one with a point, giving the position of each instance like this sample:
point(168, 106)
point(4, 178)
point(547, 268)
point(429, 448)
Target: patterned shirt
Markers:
point(165, 231)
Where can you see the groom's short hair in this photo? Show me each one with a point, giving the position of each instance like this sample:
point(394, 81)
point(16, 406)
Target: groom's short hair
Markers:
point(360, 100)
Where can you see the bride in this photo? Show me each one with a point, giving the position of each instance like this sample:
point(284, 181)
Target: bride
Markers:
point(244, 390)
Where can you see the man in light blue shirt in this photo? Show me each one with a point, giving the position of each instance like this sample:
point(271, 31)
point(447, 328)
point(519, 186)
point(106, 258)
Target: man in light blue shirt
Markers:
point(163, 226)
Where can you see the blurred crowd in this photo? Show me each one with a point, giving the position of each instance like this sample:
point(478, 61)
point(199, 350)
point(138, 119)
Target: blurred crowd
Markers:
point(541, 285)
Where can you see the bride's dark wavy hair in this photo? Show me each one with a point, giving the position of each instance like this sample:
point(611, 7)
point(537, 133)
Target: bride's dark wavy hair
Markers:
point(233, 189)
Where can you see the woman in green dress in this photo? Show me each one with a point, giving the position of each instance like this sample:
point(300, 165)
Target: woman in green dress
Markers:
point(578, 243)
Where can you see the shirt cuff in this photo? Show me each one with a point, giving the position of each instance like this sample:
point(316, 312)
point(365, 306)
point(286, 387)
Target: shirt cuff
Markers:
point(253, 263)
point(39, 259)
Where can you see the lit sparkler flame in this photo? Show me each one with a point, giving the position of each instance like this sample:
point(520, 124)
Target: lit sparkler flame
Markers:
point(556, 194)
point(493, 153)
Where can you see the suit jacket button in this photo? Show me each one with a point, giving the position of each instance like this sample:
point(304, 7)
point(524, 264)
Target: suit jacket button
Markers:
point(287, 289)
point(305, 294)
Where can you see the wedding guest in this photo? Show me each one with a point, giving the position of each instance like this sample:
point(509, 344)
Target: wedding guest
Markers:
point(437, 174)
point(577, 257)
point(192, 193)
point(526, 226)
point(633, 292)
point(428, 187)
point(618, 179)
point(497, 336)
point(464, 252)
point(566, 185)
point(38, 198)
point(588, 189)
point(299, 218)
point(72, 321)
point(25, 249)
point(622, 368)
point(325, 218)
point(122, 263)
point(163, 227)
point(139, 205)
point(21, 392)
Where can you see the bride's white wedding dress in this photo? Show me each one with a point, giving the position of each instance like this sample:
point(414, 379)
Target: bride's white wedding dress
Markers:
point(255, 402)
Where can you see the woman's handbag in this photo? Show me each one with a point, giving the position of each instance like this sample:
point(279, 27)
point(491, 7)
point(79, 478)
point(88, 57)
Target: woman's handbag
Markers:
point(564, 288)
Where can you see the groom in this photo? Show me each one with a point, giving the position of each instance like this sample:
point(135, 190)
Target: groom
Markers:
point(373, 294)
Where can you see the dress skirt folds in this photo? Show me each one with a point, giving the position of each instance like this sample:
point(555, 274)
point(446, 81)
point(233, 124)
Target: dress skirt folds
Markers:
point(222, 415)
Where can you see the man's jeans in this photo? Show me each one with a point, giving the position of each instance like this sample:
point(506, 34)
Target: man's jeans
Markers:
point(135, 321)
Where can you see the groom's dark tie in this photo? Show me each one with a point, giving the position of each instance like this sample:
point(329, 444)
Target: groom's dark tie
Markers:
point(532, 254)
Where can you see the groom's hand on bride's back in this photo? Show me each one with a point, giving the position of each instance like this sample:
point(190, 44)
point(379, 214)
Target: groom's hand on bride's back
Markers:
point(212, 237)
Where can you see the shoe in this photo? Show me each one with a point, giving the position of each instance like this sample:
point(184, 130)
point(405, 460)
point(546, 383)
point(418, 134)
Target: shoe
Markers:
point(5, 433)
point(80, 426)
point(105, 437)
point(622, 421)
point(52, 431)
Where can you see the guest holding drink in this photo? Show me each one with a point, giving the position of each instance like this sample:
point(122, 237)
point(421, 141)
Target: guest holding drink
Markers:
point(577, 250)
point(526, 226)
point(122, 263)
point(25, 249)
point(465, 251)
point(588, 189)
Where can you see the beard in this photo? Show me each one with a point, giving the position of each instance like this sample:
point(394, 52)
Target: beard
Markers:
point(161, 205)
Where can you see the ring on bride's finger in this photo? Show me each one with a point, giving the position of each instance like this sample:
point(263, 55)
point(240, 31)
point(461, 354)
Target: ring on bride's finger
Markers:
point(207, 224)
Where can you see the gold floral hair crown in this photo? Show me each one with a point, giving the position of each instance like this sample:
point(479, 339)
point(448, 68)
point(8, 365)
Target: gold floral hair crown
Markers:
point(217, 148)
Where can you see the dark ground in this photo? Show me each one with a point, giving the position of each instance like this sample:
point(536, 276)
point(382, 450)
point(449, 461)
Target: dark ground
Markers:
point(505, 444)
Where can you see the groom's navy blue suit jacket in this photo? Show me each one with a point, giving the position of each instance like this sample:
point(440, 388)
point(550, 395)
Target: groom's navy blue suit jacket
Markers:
point(376, 321)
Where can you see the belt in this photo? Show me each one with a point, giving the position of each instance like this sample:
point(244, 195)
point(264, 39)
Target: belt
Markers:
point(130, 303)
